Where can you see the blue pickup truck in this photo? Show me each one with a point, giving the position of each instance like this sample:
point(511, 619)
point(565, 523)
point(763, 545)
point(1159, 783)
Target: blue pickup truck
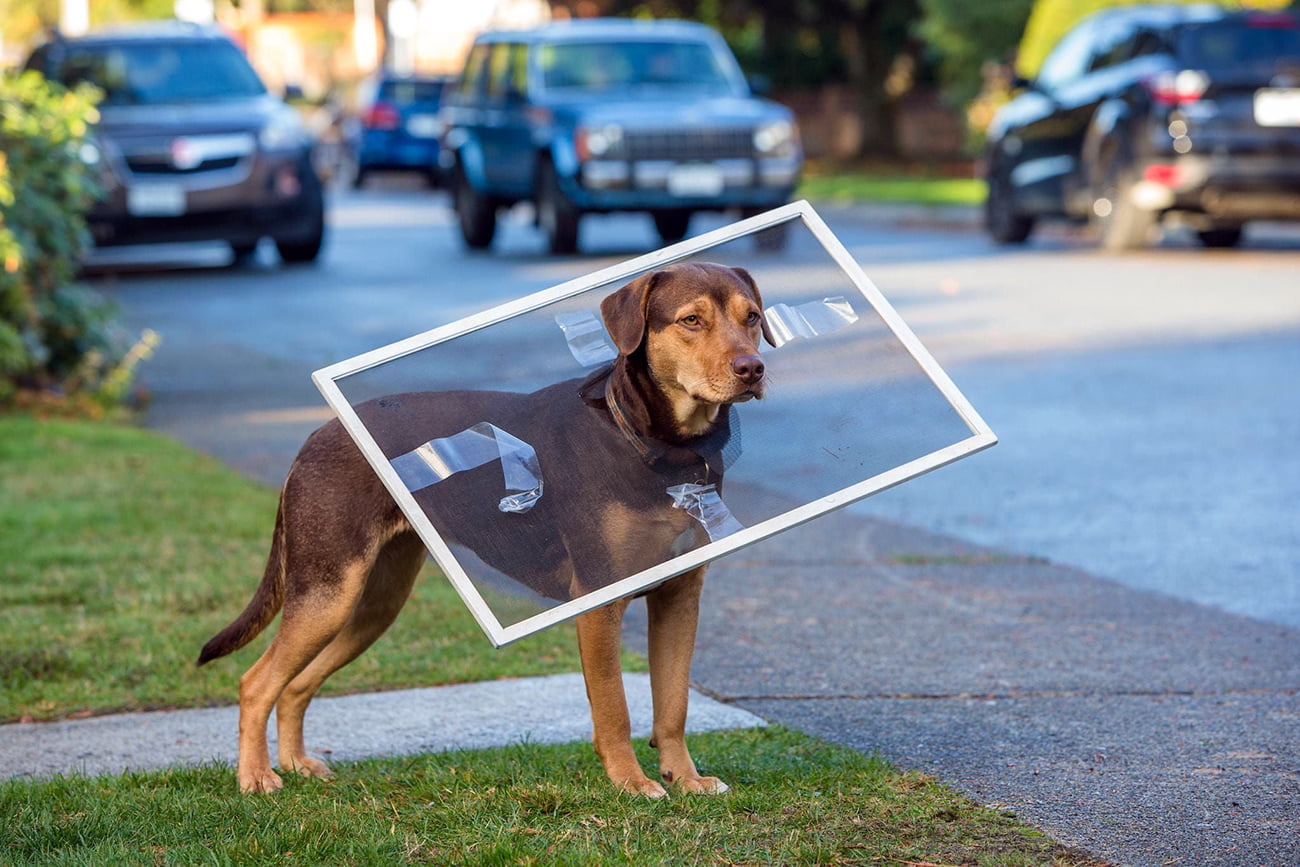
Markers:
point(609, 115)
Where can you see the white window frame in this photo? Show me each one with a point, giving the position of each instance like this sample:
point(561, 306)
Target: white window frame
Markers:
point(327, 378)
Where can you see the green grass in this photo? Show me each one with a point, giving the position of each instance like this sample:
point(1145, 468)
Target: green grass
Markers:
point(122, 552)
point(850, 186)
point(794, 800)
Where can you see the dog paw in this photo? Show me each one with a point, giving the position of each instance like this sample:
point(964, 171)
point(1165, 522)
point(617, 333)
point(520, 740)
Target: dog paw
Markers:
point(263, 781)
point(701, 785)
point(309, 767)
point(644, 787)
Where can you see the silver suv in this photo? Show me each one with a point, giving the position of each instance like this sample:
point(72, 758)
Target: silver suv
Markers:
point(190, 145)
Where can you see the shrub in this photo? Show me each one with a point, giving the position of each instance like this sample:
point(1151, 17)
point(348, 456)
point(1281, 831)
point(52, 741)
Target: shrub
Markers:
point(60, 343)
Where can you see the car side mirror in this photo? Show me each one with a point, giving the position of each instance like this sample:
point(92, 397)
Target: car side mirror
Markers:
point(760, 85)
point(293, 93)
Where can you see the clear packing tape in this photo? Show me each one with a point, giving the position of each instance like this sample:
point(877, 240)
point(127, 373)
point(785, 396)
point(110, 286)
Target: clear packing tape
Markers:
point(703, 504)
point(591, 346)
point(473, 447)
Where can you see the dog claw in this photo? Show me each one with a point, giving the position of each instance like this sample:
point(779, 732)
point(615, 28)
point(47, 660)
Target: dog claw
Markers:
point(645, 787)
point(263, 782)
point(309, 767)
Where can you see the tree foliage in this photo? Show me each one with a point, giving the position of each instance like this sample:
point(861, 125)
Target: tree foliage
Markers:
point(56, 338)
point(965, 36)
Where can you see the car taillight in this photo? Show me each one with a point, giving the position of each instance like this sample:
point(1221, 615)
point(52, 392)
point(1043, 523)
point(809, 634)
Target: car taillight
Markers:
point(1178, 88)
point(381, 116)
point(1164, 175)
point(1272, 20)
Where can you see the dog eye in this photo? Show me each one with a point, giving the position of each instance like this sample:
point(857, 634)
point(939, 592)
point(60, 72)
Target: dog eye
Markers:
point(752, 318)
point(691, 320)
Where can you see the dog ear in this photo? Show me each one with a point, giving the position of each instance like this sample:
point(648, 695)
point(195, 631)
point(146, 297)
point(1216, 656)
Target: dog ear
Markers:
point(758, 299)
point(624, 312)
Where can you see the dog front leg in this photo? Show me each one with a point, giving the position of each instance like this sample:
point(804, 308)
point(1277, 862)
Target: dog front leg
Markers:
point(600, 635)
point(674, 611)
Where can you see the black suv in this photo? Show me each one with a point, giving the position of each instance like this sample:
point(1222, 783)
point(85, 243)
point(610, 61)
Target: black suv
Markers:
point(609, 115)
point(189, 144)
point(1152, 113)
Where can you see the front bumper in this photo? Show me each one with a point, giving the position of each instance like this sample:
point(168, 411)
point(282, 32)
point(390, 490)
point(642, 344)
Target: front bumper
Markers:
point(627, 185)
point(268, 194)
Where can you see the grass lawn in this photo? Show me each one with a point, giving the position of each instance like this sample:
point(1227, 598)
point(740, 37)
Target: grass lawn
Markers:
point(123, 552)
point(852, 186)
point(794, 800)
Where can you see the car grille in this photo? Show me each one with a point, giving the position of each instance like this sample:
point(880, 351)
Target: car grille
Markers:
point(689, 144)
point(163, 165)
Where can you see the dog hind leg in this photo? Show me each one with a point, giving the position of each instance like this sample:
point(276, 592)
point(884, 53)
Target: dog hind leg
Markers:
point(386, 590)
point(309, 622)
point(673, 610)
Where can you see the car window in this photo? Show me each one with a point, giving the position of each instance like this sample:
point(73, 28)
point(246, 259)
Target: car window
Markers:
point(408, 92)
point(599, 66)
point(499, 70)
point(1112, 44)
point(1238, 47)
point(156, 73)
point(1069, 59)
point(470, 86)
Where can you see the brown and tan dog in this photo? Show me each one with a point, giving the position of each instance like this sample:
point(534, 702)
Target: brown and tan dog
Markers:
point(343, 557)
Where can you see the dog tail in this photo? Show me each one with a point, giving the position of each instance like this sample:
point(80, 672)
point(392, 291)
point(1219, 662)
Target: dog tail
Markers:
point(261, 609)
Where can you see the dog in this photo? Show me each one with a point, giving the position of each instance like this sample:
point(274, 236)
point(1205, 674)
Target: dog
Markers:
point(343, 556)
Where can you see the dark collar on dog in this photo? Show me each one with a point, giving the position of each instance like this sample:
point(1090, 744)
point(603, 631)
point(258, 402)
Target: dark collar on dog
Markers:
point(718, 449)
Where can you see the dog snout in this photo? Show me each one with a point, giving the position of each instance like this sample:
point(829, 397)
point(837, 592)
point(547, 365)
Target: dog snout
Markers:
point(749, 369)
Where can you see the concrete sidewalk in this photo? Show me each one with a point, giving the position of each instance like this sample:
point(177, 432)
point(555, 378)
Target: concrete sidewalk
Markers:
point(541, 710)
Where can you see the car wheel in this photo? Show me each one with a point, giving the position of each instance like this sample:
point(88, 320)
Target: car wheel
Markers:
point(672, 225)
point(1220, 237)
point(298, 251)
point(475, 212)
point(555, 213)
point(359, 178)
point(1121, 224)
point(1004, 223)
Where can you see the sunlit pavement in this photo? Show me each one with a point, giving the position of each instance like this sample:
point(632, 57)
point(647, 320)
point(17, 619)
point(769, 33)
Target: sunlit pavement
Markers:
point(1147, 415)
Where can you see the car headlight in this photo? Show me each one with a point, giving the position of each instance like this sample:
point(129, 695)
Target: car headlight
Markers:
point(776, 139)
point(599, 141)
point(282, 132)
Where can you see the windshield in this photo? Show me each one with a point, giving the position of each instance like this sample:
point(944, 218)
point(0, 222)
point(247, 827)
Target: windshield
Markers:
point(600, 66)
point(1240, 47)
point(156, 73)
point(408, 92)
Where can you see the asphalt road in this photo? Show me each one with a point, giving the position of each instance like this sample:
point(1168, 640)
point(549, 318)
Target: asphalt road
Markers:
point(1092, 624)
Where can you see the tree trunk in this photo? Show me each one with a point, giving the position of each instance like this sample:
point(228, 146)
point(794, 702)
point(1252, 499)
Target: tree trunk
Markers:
point(869, 57)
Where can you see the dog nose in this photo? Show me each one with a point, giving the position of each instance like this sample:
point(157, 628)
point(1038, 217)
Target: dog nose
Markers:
point(748, 368)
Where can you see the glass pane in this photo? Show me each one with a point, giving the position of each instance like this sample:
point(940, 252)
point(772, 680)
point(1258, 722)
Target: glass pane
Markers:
point(507, 439)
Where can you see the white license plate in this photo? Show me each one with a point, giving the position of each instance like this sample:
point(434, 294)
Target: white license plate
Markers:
point(695, 180)
point(1277, 106)
point(422, 126)
point(156, 200)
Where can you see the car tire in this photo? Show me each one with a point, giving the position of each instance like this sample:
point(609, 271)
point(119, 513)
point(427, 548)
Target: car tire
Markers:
point(672, 226)
point(474, 211)
point(1003, 222)
point(1222, 237)
point(359, 178)
point(301, 251)
point(556, 215)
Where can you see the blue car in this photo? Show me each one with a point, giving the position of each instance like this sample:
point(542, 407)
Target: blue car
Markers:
point(599, 116)
point(400, 127)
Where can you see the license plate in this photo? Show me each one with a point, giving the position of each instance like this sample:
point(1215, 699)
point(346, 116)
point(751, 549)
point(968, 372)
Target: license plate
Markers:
point(1276, 106)
point(422, 126)
point(695, 180)
point(156, 200)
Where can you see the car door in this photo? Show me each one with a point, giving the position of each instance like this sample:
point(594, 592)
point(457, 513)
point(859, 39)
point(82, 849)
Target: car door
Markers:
point(1043, 146)
point(507, 140)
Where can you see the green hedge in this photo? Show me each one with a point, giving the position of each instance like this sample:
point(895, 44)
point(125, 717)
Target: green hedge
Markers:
point(60, 343)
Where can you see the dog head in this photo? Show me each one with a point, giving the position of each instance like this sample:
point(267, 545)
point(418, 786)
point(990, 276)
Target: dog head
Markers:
point(696, 328)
